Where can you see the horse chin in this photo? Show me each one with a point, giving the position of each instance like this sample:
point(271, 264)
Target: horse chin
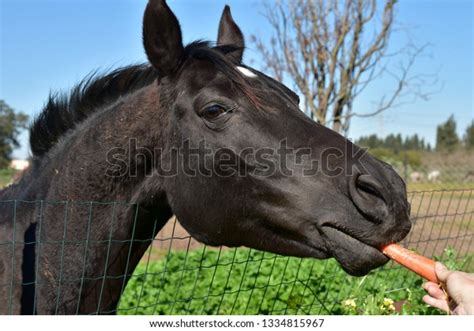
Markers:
point(354, 256)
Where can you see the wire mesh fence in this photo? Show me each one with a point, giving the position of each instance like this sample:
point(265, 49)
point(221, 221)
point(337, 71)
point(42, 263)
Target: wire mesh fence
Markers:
point(436, 170)
point(178, 275)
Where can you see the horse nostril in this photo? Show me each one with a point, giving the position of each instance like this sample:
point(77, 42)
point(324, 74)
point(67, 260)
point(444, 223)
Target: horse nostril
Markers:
point(368, 185)
point(367, 195)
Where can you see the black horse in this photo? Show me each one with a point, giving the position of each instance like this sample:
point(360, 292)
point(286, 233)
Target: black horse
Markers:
point(196, 134)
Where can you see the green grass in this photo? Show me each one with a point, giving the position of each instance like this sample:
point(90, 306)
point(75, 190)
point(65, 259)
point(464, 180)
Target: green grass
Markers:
point(243, 281)
point(444, 185)
point(6, 176)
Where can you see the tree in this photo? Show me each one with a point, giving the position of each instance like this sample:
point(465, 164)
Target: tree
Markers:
point(11, 124)
point(446, 138)
point(393, 142)
point(469, 136)
point(332, 50)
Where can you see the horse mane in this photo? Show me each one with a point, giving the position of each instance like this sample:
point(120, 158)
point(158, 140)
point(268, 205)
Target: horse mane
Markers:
point(63, 111)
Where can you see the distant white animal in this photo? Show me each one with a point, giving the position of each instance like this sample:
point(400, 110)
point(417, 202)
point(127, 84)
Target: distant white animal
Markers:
point(416, 177)
point(434, 175)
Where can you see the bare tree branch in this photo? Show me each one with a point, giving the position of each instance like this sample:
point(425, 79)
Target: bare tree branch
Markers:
point(333, 50)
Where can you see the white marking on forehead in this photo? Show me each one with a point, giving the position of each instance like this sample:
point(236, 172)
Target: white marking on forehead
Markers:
point(246, 72)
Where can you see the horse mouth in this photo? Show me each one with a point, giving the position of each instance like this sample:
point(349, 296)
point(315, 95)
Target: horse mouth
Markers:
point(355, 257)
point(290, 243)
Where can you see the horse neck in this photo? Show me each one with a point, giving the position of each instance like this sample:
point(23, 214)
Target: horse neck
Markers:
point(125, 230)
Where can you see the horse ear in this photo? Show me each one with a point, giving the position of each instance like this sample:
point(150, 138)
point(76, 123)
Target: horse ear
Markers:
point(162, 37)
point(230, 34)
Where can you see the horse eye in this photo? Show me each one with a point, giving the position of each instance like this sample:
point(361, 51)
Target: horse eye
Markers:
point(212, 112)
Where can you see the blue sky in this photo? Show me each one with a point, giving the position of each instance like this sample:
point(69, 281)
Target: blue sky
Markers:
point(51, 44)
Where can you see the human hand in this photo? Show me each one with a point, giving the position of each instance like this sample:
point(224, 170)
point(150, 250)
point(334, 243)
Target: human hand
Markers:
point(460, 288)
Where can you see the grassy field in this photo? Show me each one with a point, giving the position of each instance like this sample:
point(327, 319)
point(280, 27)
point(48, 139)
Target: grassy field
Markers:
point(417, 187)
point(6, 176)
point(243, 281)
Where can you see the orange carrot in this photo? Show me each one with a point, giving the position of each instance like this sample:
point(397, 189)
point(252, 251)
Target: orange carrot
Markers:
point(410, 260)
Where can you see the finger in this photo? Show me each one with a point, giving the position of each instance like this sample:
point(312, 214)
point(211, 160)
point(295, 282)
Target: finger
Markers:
point(469, 276)
point(440, 304)
point(441, 271)
point(425, 285)
point(434, 291)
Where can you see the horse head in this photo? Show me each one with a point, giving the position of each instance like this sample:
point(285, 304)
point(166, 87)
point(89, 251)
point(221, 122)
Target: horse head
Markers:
point(251, 169)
